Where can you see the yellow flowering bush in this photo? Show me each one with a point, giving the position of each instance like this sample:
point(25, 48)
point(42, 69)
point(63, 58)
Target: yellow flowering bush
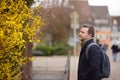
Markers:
point(18, 24)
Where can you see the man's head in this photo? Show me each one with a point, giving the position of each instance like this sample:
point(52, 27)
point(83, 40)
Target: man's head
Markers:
point(86, 32)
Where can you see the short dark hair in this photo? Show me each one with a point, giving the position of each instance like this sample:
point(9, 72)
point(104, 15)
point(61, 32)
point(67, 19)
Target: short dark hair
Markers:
point(91, 29)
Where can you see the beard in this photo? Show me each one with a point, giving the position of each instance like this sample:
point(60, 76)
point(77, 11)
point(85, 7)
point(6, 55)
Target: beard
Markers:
point(81, 40)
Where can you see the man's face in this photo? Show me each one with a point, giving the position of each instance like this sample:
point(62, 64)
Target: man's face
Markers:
point(83, 34)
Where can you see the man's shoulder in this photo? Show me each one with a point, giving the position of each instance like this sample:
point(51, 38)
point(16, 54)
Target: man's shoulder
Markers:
point(93, 45)
point(93, 48)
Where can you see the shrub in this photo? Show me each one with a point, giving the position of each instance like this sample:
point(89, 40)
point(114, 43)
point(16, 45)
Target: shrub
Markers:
point(18, 25)
point(53, 50)
point(47, 51)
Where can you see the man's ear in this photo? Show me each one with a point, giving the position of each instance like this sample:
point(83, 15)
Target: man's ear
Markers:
point(90, 35)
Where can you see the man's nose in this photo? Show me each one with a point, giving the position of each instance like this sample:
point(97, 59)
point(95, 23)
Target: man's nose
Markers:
point(79, 33)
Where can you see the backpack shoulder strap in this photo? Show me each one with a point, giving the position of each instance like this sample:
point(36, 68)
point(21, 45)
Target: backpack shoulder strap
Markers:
point(87, 49)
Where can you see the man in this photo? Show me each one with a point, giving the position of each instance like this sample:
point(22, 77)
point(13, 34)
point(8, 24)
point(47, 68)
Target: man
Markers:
point(114, 51)
point(88, 69)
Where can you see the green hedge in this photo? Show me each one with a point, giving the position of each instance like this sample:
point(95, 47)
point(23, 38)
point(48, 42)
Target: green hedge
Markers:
point(53, 50)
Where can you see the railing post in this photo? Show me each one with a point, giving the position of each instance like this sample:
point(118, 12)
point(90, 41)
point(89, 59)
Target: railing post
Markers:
point(67, 68)
point(69, 65)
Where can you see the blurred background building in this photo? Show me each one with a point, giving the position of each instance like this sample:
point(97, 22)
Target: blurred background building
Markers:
point(100, 16)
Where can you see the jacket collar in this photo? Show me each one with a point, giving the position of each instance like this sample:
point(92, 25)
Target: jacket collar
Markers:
point(87, 42)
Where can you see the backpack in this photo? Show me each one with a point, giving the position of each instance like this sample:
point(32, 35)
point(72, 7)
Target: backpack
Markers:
point(105, 69)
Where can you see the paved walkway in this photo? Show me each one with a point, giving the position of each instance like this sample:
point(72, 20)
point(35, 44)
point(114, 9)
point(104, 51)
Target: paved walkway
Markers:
point(49, 63)
point(49, 68)
point(58, 63)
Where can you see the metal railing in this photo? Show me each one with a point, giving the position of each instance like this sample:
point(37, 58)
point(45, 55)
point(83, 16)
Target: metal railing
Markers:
point(67, 68)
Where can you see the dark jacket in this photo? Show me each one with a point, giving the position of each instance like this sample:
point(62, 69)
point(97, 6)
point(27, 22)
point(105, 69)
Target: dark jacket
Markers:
point(88, 69)
point(114, 48)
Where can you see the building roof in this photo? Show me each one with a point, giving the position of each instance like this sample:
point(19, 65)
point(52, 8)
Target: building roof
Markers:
point(99, 11)
point(100, 15)
point(117, 18)
point(83, 9)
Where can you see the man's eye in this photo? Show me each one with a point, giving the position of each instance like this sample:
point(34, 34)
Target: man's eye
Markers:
point(82, 32)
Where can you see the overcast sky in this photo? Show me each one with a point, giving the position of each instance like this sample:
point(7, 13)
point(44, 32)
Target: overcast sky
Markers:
point(113, 5)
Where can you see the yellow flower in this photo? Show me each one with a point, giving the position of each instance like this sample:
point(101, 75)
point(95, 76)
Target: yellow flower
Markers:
point(17, 26)
point(31, 59)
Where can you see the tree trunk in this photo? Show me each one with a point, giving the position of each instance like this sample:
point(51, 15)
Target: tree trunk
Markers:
point(26, 69)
